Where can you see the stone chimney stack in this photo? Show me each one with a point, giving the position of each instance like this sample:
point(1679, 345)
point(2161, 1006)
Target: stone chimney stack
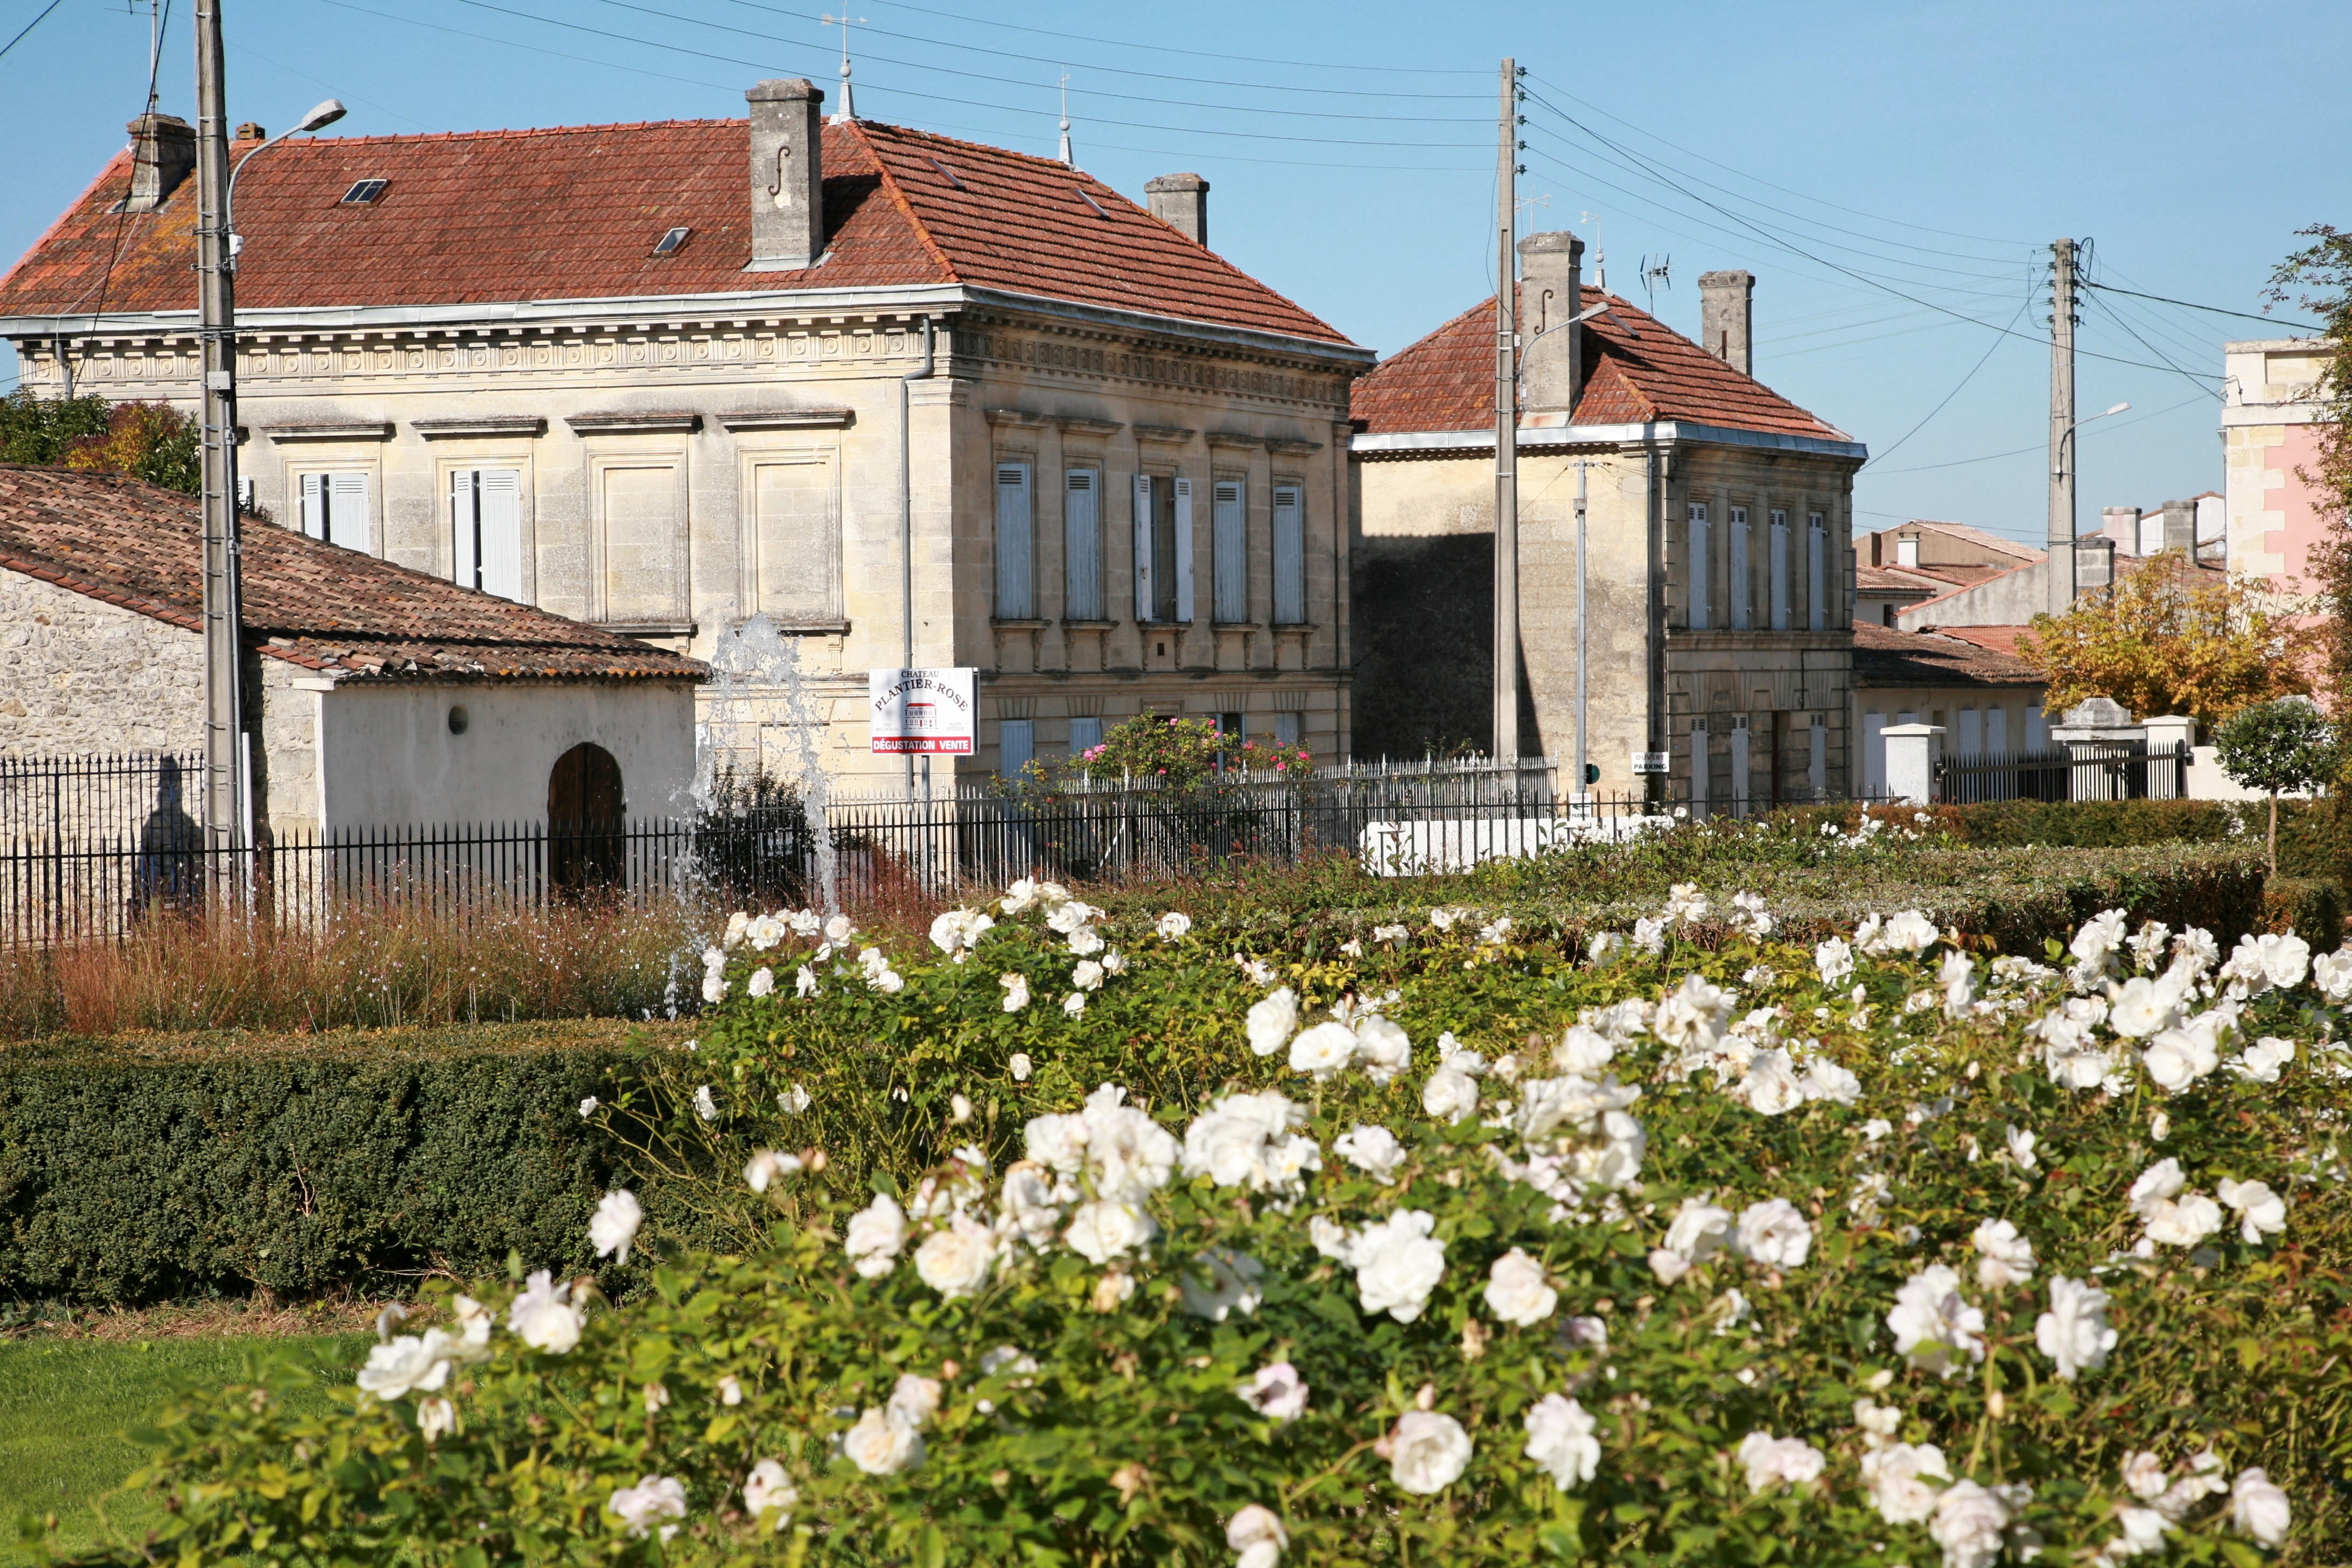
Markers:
point(1726, 325)
point(1551, 290)
point(1181, 202)
point(787, 174)
point(2180, 527)
point(162, 154)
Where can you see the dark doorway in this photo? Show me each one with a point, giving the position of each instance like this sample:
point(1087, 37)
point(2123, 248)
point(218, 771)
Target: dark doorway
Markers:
point(585, 821)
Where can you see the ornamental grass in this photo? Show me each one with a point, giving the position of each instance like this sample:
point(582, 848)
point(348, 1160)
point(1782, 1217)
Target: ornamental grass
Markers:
point(1068, 1238)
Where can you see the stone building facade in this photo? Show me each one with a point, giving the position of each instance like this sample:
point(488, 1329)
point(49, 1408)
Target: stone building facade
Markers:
point(1718, 575)
point(912, 400)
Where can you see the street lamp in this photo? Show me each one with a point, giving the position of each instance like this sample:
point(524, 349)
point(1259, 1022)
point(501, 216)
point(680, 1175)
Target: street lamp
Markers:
point(319, 119)
point(2068, 434)
point(2062, 475)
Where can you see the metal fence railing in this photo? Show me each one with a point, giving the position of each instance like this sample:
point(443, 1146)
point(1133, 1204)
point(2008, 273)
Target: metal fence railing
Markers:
point(117, 795)
point(2075, 770)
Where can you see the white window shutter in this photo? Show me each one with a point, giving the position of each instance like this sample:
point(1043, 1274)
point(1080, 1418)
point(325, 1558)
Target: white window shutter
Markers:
point(501, 533)
point(1082, 545)
point(1816, 574)
point(1143, 605)
point(1779, 571)
point(1697, 615)
point(1230, 559)
point(465, 529)
point(314, 505)
point(1741, 593)
point(1015, 544)
point(1290, 557)
point(1183, 549)
point(348, 511)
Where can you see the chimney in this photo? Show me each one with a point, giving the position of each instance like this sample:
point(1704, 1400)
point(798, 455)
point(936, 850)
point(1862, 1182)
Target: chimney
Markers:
point(2180, 527)
point(162, 154)
point(787, 175)
point(1551, 290)
point(1726, 329)
point(249, 130)
point(2121, 526)
point(1181, 202)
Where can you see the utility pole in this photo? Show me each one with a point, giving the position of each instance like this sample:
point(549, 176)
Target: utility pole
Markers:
point(1583, 642)
point(2061, 428)
point(1507, 426)
point(224, 785)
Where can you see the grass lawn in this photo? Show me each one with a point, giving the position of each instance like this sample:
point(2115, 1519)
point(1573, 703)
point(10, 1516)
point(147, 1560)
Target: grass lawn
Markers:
point(65, 1404)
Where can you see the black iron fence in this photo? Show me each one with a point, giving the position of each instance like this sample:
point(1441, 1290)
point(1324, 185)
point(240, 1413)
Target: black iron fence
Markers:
point(2079, 769)
point(149, 795)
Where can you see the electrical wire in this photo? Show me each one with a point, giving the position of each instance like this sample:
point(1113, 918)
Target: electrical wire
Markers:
point(1990, 348)
point(2188, 375)
point(29, 26)
point(2210, 310)
point(2042, 446)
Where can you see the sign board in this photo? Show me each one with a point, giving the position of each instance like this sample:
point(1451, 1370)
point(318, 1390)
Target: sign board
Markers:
point(1650, 762)
point(928, 711)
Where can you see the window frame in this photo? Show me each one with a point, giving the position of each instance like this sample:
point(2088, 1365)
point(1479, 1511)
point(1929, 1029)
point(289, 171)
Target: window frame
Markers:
point(1287, 546)
point(1013, 537)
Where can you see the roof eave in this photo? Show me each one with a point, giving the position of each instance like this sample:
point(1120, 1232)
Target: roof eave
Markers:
point(1654, 432)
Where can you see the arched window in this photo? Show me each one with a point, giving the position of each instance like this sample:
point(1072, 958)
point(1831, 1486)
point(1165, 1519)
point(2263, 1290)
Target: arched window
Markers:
point(585, 821)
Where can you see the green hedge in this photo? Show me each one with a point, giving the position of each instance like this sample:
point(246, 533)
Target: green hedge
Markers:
point(2314, 837)
point(299, 1164)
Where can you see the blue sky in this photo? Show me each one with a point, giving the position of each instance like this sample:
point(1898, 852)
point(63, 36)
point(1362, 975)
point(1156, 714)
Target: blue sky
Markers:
point(1892, 172)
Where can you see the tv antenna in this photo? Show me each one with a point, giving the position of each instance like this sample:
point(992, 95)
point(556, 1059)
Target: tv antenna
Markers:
point(1654, 275)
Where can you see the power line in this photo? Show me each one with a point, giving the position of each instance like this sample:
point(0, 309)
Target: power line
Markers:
point(2210, 310)
point(2188, 375)
point(2041, 446)
point(1990, 348)
point(29, 26)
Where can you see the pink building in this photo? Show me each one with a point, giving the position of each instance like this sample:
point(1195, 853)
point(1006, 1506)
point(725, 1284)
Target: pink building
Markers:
point(2270, 429)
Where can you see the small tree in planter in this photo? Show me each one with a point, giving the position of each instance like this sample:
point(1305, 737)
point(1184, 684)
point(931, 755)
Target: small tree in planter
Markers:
point(1184, 752)
point(2279, 746)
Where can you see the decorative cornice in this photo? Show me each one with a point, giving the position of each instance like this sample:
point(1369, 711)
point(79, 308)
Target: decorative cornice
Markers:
point(633, 424)
point(1018, 418)
point(359, 430)
point(486, 425)
point(1290, 448)
point(791, 419)
point(1075, 425)
point(1172, 435)
point(1232, 438)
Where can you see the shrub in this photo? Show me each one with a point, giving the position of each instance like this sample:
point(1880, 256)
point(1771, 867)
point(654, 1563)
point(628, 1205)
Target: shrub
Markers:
point(303, 1164)
point(2279, 746)
point(1685, 1255)
point(1179, 753)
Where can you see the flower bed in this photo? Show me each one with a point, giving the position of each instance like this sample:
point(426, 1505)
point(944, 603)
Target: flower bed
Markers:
point(1436, 1245)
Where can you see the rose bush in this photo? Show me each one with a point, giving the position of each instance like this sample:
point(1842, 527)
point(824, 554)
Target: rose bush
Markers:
point(1448, 1248)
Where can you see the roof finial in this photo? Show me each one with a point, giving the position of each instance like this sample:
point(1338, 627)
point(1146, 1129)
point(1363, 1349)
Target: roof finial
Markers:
point(1073, 162)
point(848, 111)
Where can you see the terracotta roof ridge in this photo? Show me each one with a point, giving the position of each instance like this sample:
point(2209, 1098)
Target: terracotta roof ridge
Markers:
point(922, 231)
point(517, 133)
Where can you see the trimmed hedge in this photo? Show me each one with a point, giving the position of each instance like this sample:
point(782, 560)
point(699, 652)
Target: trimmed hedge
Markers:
point(300, 1164)
point(2314, 837)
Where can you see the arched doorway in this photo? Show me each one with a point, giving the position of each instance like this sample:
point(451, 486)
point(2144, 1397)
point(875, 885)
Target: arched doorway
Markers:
point(585, 821)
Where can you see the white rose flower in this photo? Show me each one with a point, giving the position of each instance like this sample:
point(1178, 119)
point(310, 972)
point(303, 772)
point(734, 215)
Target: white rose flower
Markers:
point(1101, 1231)
point(2178, 1057)
point(1016, 991)
point(766, 1167)
point(1584, 1051)
point(1371, 1149)
point(881, 1446)
point(805, 983)
point(1774, 1233)
point(762, 981)
point(1910, 931)
point(1383, 1047)
point(1323, 1050)
point(2332, 972)
point(1449, 1094)
point(1516, 1291)
point(958, 930)
point(409, 1362)
point(1030, 1206)
point(642, 1507)
point(1825, 1079)
point(1771, 1085)
point(435, 1418)
point(1835, 960)
point(1244, 1139)
point(1019, 1066)
point(2074, 1333)
point(2160, 1181)
point(957, 1261)
point(1255, 1533)
point(704, 1105)
point(543, 1317)
point(1173, 926)
point(2184, 1221)
point(2259, 1508)
point(1561, 1439)
point(767, 1490)
point(1698, 1229)
point(2262, 1060)
point(1896, 1477)
point(1276, 1393)
point(2141, 1006)
point(1075, 1003)
point(588, 1106)
point(614, 1226)
point(1970, 1523)
point(1431, 1452)
point(877, 1234)
point(1771, 1460)
point(2285, 959)
point(2021, 1148)
point(1271, 1020)
point(1084, 940)
point(1221, 1282)
point(2004, 1257)
point(1398, 1264)
point(714, 987)
point(914, 1400)
point(2261, 1212)
point(1932, 1325)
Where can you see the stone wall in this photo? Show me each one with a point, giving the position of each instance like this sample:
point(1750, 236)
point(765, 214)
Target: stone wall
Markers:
point(79, 676)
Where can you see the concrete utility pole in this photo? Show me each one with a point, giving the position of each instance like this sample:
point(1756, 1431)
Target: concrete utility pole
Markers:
point(2061, 428)
point(1583, 644)
point(1507, 428)
point(225, 783)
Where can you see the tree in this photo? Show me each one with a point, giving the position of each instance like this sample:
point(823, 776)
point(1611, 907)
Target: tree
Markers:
point(151, 441)
point(2278, 746)
point(2323, 272)
point(2167, 640)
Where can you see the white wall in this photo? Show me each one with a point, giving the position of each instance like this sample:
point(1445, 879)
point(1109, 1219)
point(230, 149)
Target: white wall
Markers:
point(387, 754)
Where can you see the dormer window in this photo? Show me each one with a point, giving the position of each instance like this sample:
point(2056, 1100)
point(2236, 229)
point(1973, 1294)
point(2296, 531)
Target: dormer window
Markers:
point(364, 192)
point(670, 243)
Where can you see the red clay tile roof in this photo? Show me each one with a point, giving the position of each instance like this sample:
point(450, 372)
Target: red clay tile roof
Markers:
point(574, 212)
point(307, 601)
point(2000, 639)
point(1884, 656)
point(1446, 381)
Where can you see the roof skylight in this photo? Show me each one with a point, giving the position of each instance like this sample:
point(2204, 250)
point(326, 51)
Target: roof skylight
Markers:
point(669, 243)
point(363, 191)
